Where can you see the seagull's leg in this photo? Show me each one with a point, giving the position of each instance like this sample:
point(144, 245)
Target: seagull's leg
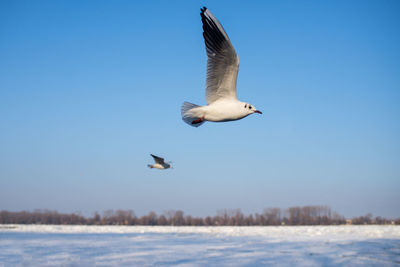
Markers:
point(199, 120)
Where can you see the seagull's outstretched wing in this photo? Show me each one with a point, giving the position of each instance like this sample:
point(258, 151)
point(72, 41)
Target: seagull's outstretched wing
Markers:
point(158, 159)
point(222, 64)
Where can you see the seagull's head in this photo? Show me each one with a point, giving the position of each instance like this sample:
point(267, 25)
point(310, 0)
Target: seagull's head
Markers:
point(250, 109)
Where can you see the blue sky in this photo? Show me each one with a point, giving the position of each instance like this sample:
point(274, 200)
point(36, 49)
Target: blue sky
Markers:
point(89, 89)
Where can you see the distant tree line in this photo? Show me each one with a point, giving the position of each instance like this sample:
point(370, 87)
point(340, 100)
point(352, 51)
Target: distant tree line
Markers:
point(308, 215)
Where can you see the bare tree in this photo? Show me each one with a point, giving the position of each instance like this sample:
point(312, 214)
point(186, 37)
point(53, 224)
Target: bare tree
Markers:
point(272, 216)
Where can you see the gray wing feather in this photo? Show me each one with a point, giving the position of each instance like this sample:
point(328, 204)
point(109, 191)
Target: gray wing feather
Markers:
point(223, 63)
point(158, 159)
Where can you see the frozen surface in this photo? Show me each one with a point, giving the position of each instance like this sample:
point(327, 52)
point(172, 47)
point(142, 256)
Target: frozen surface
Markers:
point(54, 245)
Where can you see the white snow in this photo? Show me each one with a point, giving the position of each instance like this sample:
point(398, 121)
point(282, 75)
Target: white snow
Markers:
point(50, 245)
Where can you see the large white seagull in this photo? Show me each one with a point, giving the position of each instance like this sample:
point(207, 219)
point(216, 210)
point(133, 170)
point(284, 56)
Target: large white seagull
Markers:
point(222, 70)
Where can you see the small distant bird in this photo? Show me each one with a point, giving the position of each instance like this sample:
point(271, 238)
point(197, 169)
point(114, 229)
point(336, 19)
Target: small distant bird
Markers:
point(159, 163)
point(222, 70)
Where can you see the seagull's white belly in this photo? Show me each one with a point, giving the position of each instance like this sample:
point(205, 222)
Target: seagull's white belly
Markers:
point(224, 111)
point(158, 166)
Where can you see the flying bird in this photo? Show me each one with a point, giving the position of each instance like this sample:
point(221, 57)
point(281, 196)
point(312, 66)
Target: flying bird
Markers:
point(159, 163)
point(222, 70)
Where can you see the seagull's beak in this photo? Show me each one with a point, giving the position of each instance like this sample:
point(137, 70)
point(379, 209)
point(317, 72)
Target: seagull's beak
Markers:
point(257, 111)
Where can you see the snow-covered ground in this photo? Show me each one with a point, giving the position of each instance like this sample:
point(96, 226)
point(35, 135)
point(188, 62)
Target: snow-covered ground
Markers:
point(55, 245)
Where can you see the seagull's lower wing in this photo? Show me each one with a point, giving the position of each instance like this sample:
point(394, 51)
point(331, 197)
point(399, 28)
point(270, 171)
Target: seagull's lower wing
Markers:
point(223, 63)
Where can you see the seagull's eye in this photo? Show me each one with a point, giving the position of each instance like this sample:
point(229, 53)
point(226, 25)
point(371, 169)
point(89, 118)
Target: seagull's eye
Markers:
point(250, 107)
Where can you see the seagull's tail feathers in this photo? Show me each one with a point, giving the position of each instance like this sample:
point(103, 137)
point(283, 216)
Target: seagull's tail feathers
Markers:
point(150, 166)
point(189, 115)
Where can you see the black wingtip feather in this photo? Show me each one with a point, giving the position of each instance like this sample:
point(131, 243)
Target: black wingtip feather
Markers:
point(213, 37)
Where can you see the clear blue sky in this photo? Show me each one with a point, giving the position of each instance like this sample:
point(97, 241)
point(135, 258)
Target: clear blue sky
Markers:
point(89, 89)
